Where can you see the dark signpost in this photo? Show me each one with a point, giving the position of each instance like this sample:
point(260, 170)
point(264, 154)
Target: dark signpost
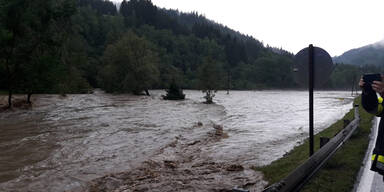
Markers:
point(312, 68)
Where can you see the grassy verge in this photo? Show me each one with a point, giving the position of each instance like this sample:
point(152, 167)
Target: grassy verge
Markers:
point(340, 171)
point(3, 92)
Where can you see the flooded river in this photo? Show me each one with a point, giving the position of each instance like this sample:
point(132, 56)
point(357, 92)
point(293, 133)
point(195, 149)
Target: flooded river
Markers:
point(63, 143)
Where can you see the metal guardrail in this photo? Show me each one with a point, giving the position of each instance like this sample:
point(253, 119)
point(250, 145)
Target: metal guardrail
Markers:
point(302, 174)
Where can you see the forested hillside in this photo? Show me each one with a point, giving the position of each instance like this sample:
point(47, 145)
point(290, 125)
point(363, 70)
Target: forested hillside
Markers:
point(355, 62)
point(72, 46)
point(368, 55)
point(180, 43)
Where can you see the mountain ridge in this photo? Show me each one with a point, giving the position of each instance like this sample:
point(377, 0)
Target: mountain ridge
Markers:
point(372, 54)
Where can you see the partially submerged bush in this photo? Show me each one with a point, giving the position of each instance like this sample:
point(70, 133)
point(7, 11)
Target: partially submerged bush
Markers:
point(174, 93)
point(209, 94)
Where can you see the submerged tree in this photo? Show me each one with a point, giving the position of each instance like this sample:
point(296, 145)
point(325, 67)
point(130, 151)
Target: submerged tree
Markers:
point(174, 92)
point(130, 65)
point(173, 78)
point(210, 78)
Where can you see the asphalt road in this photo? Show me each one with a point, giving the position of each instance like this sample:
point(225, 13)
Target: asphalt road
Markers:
point(370, 181)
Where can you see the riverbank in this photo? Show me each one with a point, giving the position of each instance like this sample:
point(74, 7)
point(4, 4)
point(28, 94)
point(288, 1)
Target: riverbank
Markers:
point(340, 172)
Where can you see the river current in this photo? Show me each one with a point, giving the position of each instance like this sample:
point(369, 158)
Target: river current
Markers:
point(62, 143)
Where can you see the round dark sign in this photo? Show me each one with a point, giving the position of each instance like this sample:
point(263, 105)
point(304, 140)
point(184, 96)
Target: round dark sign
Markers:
point(323, 66)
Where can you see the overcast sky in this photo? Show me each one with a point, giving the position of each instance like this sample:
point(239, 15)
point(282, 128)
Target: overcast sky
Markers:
point(334, 25)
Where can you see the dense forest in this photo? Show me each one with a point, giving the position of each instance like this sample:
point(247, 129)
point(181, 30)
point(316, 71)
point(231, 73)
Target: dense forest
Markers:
point(72, 46)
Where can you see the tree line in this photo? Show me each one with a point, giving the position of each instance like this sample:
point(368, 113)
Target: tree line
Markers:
point(71, 46)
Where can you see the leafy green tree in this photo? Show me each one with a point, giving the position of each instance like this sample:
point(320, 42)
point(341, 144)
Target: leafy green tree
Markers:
point(51, 28)
point(35, 51)
point(131, 65)
point(72, 75)
point(28, 32)
point(13, 34)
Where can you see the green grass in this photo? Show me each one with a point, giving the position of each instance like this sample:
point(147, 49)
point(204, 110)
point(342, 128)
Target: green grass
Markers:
point(340, 172)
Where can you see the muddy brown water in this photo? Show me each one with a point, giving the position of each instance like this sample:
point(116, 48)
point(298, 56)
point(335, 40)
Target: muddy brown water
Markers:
point(135, 143)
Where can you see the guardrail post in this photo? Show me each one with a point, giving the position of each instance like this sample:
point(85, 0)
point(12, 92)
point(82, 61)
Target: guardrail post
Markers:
point(357, 116)
point(324, 141)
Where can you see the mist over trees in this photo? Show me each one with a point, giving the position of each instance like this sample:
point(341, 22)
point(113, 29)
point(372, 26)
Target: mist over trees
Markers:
point(70, 46)
point(372, 54)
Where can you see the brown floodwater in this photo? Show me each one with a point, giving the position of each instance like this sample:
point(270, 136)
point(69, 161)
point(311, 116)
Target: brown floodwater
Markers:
point(125, 143)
